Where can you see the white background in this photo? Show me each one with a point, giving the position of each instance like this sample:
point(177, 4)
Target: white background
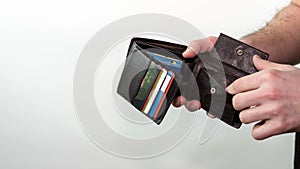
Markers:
point(40, 42)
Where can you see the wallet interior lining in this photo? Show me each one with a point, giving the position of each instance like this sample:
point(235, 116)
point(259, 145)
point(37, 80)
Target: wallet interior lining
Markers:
point(137, 82)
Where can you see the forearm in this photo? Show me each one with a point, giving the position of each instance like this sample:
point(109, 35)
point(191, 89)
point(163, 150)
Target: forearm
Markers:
point(280, 37)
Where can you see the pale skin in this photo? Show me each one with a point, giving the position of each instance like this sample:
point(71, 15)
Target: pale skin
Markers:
point(271, 97)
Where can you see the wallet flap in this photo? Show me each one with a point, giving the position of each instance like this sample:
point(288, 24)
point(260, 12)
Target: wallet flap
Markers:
point(237, 54)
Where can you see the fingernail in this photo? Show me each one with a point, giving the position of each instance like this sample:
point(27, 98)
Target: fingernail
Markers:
point(229, 89)
point(194, 107)
point(186, 51)
point(210, 115)
point(256, 57)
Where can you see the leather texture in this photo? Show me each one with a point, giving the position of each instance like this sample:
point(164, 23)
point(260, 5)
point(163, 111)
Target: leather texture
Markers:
point(202, 78)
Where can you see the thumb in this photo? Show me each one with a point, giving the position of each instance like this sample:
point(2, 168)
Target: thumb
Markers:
point(199, 46)
point(261, 64)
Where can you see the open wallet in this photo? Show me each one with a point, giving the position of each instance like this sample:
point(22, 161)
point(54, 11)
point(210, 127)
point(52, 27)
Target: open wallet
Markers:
point(155, 73)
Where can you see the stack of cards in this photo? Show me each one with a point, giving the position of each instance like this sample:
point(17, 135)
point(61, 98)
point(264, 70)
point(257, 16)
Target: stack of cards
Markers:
point(155, 84)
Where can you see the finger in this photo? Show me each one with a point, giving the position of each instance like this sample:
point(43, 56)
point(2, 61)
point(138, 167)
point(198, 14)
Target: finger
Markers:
point(179, 101)
point(255, 114)
point(193, 105)
point(199, 46)
point(263, 130)
point(246, 99)
point(210, 115)
point(262, 64)
point(189, 53)
point(212, 40)
point(245, 83)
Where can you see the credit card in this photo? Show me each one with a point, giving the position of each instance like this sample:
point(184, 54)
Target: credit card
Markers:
point(171, 63)
point(153, 93)
point(161, 94)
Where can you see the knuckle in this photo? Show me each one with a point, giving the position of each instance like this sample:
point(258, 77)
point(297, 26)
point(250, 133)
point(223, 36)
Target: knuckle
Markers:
point(270, 75)
point(236, 85)
point(277, 111)
point(271, 93)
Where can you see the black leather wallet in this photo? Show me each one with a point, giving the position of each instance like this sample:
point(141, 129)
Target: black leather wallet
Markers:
point(204, 78)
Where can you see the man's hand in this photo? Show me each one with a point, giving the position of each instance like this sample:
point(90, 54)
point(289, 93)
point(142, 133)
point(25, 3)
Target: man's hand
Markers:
point(195, 47)
point(270, 97)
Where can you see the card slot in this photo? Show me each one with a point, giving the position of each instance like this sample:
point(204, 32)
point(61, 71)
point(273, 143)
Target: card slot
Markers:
point(170, 95)
point(146, 47)
point(178, 77)
point(143, 52)
point(133, 72)
point(150, 45)
point(177, 51)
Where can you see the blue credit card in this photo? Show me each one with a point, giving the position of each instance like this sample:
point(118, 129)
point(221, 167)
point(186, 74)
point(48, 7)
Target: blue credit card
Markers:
point(171, 63)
